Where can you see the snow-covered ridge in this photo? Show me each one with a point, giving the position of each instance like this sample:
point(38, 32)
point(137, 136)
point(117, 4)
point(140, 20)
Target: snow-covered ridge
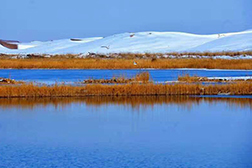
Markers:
point(142, 42)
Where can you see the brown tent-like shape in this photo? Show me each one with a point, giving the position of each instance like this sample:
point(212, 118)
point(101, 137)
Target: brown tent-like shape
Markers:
point(8, 45)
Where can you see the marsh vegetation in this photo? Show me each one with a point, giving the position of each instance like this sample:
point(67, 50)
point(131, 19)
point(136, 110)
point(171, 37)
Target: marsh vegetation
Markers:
point(130, 61)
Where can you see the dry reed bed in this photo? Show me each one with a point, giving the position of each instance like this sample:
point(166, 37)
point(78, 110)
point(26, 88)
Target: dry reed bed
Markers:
point(30, 90)
point(143, 77)
point(92, 63)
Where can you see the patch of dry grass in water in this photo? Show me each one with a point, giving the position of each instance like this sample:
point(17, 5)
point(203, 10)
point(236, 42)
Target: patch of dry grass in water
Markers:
point(7, 81)
point(143, 77)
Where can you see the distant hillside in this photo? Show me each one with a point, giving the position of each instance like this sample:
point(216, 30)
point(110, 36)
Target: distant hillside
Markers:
point(142, 42)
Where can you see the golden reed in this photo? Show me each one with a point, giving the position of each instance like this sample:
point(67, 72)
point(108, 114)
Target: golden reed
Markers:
point(150, 89)
point(143, 77)
point(121, 63)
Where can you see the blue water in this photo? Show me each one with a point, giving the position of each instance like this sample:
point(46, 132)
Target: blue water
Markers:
point(200, 133)
point(52, 76)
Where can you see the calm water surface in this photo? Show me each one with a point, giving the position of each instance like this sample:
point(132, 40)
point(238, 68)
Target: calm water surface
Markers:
point(126, 132)
point(55, 75)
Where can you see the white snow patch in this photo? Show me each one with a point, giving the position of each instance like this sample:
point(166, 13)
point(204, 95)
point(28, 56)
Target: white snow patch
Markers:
point(231, 78)
point(142, 42)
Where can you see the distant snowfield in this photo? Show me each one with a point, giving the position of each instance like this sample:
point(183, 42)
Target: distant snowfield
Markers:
point(142, 42)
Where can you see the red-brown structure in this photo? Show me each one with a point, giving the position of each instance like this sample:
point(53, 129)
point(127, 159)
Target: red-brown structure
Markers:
point(8, 44)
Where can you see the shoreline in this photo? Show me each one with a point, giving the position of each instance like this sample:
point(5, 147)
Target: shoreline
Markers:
point(189, 69)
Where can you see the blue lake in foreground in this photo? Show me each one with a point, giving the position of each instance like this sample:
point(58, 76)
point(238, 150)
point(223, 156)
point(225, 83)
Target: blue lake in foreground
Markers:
point(184, 132)
point(51, 76)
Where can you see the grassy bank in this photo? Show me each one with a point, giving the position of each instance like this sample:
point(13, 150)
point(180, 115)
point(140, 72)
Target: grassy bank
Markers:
point(116, 63)
point(30, 90)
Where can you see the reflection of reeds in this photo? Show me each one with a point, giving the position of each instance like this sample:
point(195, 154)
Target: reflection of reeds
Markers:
point(30, 90)
point(133, 101)
point(122, 63)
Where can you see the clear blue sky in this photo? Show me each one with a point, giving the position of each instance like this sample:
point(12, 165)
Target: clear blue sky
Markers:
point(27, 20)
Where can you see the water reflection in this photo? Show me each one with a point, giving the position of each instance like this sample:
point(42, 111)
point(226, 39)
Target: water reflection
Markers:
point(185, 132)
point(134, 102)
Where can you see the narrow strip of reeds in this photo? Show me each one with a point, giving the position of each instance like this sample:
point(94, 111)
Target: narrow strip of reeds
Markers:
point(30, 90)
point(116, 63)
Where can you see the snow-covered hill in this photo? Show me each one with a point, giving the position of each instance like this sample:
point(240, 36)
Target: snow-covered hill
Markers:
point(54, 47)
point(141, 42)
point(237, 42)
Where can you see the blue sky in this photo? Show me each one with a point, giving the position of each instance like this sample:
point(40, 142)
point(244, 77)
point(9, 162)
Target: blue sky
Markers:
point(27, 20)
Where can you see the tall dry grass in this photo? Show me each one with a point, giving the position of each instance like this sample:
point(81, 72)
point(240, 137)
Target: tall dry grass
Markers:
point(30, 90)
point(143, 77)
point(93, 63)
